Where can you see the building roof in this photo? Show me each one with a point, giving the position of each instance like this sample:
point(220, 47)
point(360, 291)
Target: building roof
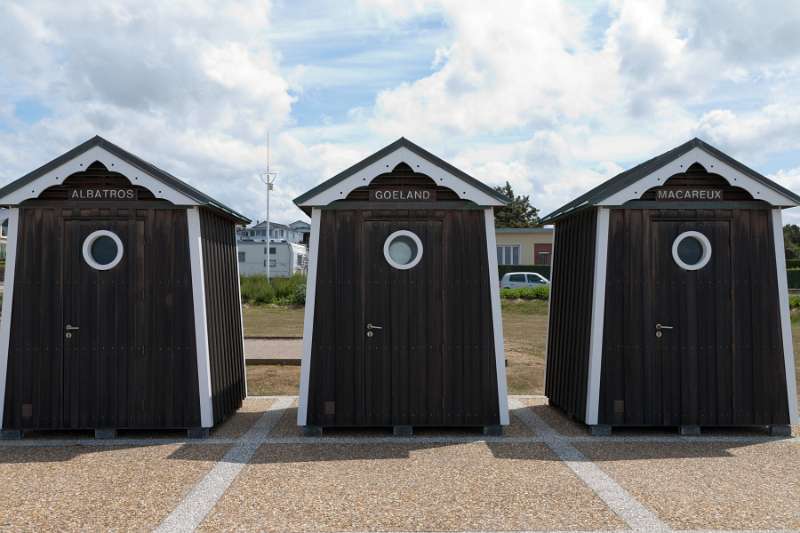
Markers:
point(272, 225)
point(151, 170)
point(315, 196)
point(536, 229)
point(623, 180)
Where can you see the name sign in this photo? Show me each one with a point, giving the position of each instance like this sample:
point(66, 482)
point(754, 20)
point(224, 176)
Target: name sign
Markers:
point(103, 193)
point(404, 194)
point(689, 194)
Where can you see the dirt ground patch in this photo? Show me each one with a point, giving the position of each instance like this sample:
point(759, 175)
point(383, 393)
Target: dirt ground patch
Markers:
point(273, 380)
point(97, 488)
point(408, 487)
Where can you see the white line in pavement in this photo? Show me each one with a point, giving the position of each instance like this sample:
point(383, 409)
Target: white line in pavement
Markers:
point(630, 510)
point(191, 512)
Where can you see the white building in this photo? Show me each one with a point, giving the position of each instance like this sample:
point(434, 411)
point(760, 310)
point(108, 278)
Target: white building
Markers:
point(287, 252)
point(258, 232)
point(285, 258)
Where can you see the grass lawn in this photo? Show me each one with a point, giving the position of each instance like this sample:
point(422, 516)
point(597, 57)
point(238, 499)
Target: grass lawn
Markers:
point(273, 321)
point(524, 328)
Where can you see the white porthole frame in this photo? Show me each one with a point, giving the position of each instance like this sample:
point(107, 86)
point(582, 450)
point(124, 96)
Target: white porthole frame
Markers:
point(403, 233)
point(87, 249)
point(704, 242)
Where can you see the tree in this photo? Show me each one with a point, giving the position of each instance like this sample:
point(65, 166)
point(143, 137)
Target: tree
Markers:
point(519, 213)
point(791, 239)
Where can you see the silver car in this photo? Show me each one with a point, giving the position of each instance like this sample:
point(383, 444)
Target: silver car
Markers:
point(518, 280)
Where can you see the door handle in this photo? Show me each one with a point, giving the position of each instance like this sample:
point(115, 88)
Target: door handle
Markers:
point(370, 326)
point(72, 328)
point(659, 327)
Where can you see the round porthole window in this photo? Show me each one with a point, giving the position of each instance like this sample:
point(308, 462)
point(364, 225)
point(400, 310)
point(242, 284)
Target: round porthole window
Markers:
point(102, 250)
point(403, 249)
point(691, 250)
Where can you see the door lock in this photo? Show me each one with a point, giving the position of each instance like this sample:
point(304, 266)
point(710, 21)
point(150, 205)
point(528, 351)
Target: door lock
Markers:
point(370, 334)
point(370, 326)
point(70, 329)
point(659, 329)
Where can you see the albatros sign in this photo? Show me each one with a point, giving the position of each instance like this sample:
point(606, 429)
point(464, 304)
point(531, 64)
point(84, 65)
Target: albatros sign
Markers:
point(689, 194)
point(103, 193)
point(402, 194)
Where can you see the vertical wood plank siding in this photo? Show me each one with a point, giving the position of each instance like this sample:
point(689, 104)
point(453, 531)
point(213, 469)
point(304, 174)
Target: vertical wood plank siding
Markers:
point(433, 364)
point(133, 363)
point(723, 363)
point(571, 313)
point(225, 348)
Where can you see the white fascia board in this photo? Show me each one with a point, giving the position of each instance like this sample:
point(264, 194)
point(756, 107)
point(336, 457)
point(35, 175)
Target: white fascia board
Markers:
point(82, 162)
point(363, 177)
point(758, 190)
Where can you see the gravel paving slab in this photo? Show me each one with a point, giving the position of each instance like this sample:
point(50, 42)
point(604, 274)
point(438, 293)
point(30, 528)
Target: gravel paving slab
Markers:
point(288, 348)
point(252, 409)
point(708, 485)
point(97, 488)
point(406, 487)
point(287, 427)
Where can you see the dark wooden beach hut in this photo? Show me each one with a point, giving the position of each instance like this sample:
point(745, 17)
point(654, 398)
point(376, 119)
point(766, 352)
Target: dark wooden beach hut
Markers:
point(402, 323)
point(121, 301)
point(670, 301)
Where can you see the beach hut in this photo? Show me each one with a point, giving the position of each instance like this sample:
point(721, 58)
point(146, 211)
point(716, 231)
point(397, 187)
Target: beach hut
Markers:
point(402, 323)
point(669, 298)
point(121, 301)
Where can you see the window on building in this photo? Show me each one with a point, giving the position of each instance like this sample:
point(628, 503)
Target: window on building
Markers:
point(271, 250)
point(508, 254)
point(241, 257)
point(542, 253)
point(273, 263)
point(299, 259)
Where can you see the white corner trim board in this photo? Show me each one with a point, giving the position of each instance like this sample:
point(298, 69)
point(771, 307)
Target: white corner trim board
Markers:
point(81, 162)
point(8, 301)
point(364, 176)
point(308, 319)
point(241, 312)
point(497, 318)
point(598, 316)
point(758, 190)
point(786, 325)
point(200, 322)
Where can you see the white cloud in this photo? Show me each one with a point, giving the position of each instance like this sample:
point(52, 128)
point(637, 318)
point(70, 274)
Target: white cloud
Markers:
point(531, 92)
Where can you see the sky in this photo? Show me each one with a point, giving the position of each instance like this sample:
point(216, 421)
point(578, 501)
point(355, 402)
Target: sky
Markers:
point(552, 96)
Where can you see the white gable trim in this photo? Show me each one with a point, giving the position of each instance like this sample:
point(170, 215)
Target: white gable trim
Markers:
point(81, 162)
point(364, 177)
point(758, 190)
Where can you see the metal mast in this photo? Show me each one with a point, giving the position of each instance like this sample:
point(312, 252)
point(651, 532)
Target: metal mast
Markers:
point(268, 178)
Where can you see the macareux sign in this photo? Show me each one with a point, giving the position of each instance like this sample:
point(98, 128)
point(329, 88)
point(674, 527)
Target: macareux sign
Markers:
point(689, 194)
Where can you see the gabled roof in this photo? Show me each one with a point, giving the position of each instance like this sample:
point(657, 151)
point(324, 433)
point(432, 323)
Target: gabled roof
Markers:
point(607, 190)
point(316, 195)
point(152, 171)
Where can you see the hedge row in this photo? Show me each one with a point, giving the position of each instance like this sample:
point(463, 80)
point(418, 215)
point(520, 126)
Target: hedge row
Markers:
point(793, 278)
point(281, 291)
point(528, 293)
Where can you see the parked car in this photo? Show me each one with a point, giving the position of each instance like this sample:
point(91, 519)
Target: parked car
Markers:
point(518, 280)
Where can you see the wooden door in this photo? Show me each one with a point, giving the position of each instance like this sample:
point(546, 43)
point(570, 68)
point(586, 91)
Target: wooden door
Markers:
point(101, 312)
point(692, 323)
point(402, 323)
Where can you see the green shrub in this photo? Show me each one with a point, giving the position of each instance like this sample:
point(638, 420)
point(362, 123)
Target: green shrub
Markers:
point(299, 295)
point(280, 291)
point(794, 301)
point(793, 277)
point(541, 292)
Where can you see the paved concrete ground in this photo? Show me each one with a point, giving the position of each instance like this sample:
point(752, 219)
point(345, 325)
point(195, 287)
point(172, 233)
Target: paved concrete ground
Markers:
point(255, 473)
point(276, 349)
